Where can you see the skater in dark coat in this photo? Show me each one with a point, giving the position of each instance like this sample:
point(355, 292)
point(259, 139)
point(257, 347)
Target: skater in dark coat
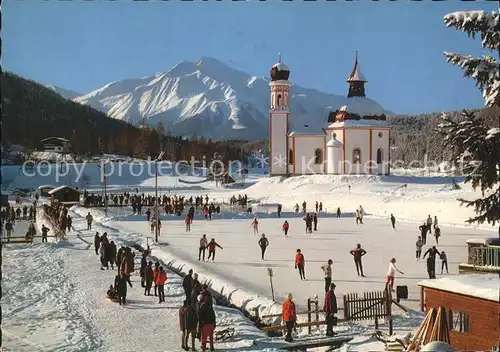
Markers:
point(315, 222)
point(111, 253)
point(330, 310)
point(142, 270)
point(148, 278)
point(338, 212)
point(97, 242)
point(423, 233)
point(358, 253)
point(431, 261)
point(207, 321)
point(263, 243)
point(195, 292)
point(121, 288)
point(190, 326)
point(187, 285)
point(393, 221)
point(279, 210)
point(444, 262)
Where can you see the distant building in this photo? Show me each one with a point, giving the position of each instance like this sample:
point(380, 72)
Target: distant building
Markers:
point(56, 145)
point(44, 190)
point(472, 304)
point(65, 194)
point(355, 138)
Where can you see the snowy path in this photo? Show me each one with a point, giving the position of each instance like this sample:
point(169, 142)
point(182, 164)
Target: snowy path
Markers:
point(54, 300)
point(37, 285)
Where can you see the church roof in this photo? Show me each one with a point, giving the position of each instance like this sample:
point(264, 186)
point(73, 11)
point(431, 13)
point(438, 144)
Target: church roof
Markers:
point(360, 123)
point(306, 133)
point(356, 75)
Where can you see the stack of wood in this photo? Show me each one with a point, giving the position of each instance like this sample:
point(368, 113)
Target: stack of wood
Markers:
point(435, 327)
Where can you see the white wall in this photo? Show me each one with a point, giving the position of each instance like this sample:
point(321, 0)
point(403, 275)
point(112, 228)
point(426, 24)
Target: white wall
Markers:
point(384, 144)
point(305, 146)
point(334, 159)
point(357, 138)
point(278, 121)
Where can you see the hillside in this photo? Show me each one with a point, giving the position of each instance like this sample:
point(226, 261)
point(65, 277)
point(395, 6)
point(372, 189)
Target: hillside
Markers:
point(31, 112)
point(414, 137)
point(211, 99)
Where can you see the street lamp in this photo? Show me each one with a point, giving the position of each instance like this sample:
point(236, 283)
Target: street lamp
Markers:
point(103, 171)
point(157, 213)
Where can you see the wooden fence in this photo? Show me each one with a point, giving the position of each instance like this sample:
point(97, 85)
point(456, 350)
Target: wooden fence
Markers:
point(372, 306)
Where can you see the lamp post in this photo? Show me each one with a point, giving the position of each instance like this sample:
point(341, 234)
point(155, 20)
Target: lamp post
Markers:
point(157, 213)
point(103, 170)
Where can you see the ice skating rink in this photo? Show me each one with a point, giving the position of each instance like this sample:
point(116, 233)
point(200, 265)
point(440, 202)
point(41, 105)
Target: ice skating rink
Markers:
point(240, 261)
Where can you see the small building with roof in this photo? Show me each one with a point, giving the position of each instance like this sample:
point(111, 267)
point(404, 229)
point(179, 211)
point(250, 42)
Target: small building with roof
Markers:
point(44, 190)
point(472, 304)
point(354, 140)
point(56, 145)
point(65, 194)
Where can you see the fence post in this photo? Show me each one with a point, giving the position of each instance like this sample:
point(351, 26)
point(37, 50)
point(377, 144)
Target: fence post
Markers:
point(309, 314)
point(317, 307)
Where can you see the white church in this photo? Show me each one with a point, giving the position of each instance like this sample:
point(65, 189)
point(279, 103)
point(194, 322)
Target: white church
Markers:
point(352, 142)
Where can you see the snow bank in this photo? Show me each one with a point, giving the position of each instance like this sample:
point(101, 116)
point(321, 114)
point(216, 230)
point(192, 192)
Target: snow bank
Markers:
point(485, 286)
point(244, 300)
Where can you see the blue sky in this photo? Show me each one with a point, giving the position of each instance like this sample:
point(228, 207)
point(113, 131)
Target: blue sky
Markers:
point(82, 45)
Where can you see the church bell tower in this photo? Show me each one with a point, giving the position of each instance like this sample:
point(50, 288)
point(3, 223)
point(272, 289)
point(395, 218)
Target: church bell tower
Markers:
point(279, 119)
point(356, 81)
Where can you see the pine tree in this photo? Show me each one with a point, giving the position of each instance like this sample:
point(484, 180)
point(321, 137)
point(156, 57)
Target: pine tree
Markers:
point(477, 145)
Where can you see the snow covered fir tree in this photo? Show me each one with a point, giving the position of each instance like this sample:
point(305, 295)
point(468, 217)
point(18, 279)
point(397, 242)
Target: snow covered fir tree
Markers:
point(475, 141)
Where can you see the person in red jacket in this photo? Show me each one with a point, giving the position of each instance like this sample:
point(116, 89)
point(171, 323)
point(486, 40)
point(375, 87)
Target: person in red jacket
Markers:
point(300, 263)
point(286, 226)
point(330, 310)
point(161, 279)
point(187, 220)
point(289, 316)
point(211, 249)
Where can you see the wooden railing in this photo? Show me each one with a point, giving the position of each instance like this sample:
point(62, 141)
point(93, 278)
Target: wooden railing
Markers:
point(486, 258)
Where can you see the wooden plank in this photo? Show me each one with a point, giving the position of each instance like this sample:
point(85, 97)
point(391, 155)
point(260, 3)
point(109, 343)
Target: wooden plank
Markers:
point(299, 325)
point(298, 313)
point(334, 342)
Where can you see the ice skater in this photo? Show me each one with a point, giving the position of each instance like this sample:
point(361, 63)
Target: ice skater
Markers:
point(431, 261)
point(300, 264)
point(437, 234)
point(418, 247)
point(327, 270)
point(285, 227)
point(393, 221)
point(263, 243)
point(444, 262)
point(211, 249)
point(89, 218)
point(203, 247)
point(358, 253)
point(255, 226)
point(391, 273)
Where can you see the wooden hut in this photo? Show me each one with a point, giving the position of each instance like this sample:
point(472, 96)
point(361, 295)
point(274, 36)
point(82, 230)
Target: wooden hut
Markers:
point(65, 194)
point(44, 190)
point(472, 307)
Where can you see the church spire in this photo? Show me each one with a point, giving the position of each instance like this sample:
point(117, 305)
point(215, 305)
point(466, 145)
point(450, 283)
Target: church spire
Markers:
point(356, 81)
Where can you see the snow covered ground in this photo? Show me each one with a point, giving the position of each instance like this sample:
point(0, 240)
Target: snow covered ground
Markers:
point(53, 299)
point(83, 317)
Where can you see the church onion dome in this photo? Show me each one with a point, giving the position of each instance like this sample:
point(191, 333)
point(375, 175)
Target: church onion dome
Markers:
point(280, 71)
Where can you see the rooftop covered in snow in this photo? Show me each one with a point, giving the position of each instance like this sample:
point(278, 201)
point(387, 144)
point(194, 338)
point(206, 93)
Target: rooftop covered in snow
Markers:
point(360, 123)
point(482, 286)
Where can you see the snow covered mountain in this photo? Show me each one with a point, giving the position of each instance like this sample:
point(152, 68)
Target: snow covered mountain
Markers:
point(209, 98)
point(65, 93)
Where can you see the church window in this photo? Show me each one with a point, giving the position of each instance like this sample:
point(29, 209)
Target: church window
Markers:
point(356, 156)
point(290, 156)
point(318, 156)
point(380, 155)
point(278, 102)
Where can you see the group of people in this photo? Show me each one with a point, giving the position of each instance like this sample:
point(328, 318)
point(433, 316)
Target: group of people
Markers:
point(197, 316)
point(427, 227)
